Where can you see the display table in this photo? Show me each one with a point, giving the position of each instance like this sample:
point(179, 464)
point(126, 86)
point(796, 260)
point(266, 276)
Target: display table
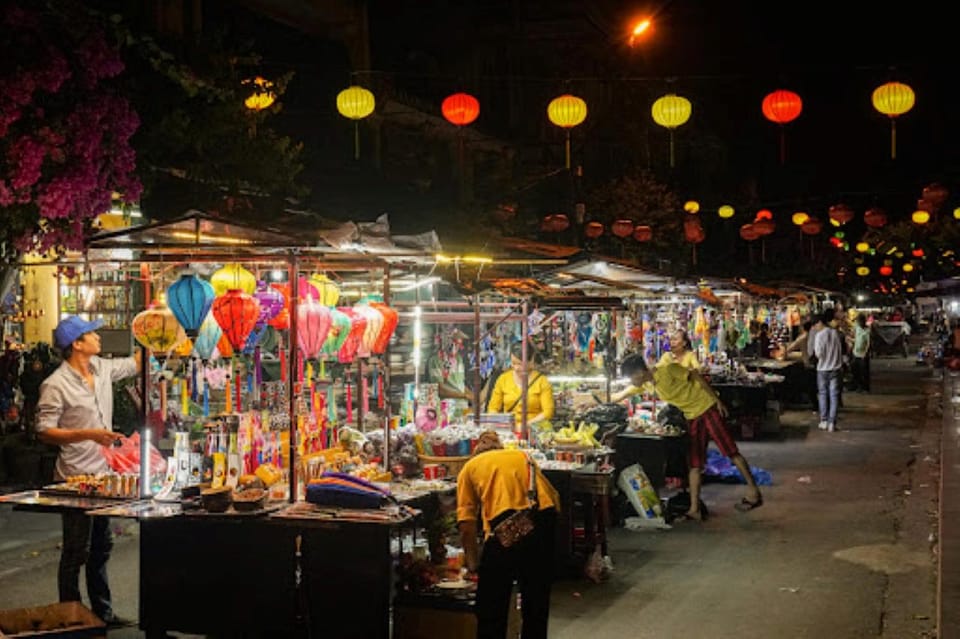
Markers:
point(747, 404)
point(591, 488)
point(793, 389)
point(659, 456)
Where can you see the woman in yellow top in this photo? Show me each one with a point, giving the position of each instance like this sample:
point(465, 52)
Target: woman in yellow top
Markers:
point(507, 393)
point(681, 352)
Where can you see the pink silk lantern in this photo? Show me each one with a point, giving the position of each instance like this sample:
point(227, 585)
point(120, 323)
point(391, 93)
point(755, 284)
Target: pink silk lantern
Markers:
point(358, 326)
point(390, 320)
point(313, 325)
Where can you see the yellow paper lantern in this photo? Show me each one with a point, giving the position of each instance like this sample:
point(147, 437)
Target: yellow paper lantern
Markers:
point(956, 213)
point(157, 329)
point(862, 247)
point(863, 271)
point(799, 218)
point(329, 291)
point(920, 217)
point(566, 112)
point(691, 206)
point(671, 111)
point(726, 211)
point(893, 99)
point(908, 267)
point(233, 276)
point(356, 103)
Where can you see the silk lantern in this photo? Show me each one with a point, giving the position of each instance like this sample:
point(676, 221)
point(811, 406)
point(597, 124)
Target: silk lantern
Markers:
point(339, 330)
point(207, 338)
point(643, 233)
point(670, 112)
point(328, 292)
point(313, 325)
point(748, 233)
point(189, 299)
point(356, 103)
point(375, 321)
point(358, 326)
point(622, 228)
point(920, 217)
point(224, 348)
point(782, 107)
point(233, 276)
point(799, 218)
point(693, 231)
point(559, 222)
point(281, 321)
point(725, 212)
point(936, 194)
point(157, 329)
point(841, 214)
point(271, 302)
point(593, 230)
point(875, 218)
point(460, 109)
point(237, 313)
point(566, 112)
point(812, 226)
point(893, 99)
point(391, 318)
point(764, 227)
point(886, 270)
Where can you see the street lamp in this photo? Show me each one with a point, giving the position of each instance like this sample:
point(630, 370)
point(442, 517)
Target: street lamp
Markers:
point(639, 28)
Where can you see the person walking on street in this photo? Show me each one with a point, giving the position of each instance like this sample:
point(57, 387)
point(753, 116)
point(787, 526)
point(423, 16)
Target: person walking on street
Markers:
point(861, 355)
point(495, 484)
point(828, 349)
point(75, 412)
point(705, 413)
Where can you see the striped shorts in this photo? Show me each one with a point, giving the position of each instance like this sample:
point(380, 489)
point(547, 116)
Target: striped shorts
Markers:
point(709, 425)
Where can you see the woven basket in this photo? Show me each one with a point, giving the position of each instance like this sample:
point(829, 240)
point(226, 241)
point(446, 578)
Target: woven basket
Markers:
point(452, 464)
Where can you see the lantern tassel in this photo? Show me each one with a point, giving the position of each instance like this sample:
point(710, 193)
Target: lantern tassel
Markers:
point(893, 139)
point(567, 148)
point(783, 146)
point(356, 139)
point(672, 163)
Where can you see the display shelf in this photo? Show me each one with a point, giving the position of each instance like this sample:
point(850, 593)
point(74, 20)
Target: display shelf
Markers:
point(113, 296)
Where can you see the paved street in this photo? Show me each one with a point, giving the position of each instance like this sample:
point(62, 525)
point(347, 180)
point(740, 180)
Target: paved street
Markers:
point(843, 548)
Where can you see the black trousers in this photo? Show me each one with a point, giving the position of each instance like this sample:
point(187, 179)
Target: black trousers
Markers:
point(530, 563)
point(87, 542)
point(860, 367)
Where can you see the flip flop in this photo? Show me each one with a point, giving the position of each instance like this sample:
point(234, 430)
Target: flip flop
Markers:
point(688, 517)
point(746, 505)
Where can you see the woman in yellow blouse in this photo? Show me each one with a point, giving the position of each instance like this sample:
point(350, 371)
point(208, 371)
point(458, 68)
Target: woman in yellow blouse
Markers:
point(507, 394)
point(680, 352)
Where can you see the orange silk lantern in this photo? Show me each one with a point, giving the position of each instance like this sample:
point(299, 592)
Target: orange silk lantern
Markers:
point(643, 233)
point(237, 313)
point(223, 346)
point(280, 321)
point(593, 230)
point(391, 318)
point(781, 107)
point(460, 109)
point(622, 228)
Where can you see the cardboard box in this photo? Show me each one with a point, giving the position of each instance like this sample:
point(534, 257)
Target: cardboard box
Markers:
point(64, 620)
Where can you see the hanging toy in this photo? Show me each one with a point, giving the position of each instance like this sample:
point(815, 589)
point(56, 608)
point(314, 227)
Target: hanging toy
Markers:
point(584, 331)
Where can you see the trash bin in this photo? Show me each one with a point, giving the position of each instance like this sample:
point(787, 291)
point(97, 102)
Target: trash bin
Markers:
point(64, 620)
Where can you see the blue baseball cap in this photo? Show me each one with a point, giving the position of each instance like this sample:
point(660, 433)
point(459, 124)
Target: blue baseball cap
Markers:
point(72, 328)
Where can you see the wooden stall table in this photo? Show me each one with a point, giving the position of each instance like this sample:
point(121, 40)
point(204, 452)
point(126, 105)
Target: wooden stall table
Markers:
point(592, 487)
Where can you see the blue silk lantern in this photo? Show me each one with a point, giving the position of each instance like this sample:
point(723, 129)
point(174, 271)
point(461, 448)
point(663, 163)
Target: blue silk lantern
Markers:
point(190, 298)
point(206, 342)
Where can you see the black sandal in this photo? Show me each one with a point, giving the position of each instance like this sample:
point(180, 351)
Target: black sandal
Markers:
point(746, 505)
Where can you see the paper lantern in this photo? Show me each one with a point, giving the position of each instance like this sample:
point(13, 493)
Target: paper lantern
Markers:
point(693, 231)
point(799, 218)
point(692, 207)
point(391, 318)
point(189, 299)
point(375, 322)
point(893, 99)
point(157, 329)
point(862, 247)
point(643, 233)
point(313, 325)
point(271, 302)
point(763, 214)
point(726, 211)
point(812, 226)
point(328, 291)
point(841, 214)
point(593, 230)
point(863, 271)
point(886, 270)
point(748, 233)
point(936, 194)
point(356, 103)
point(920, 217)
point(358, 326)
point(907, 267)
point(281, 321)
point(339, 330)
point(875, 218)
point(781, 106)
point(224, 348)
point(566, 112)
point(233, 276)
point(237, 313)
point(671, 111)
point(207, 338)
point(184, 347)
point(956, 213)
point(917, 252)
point(460, 109)
point(764, 227)
point(559, 222)
point(622, 228)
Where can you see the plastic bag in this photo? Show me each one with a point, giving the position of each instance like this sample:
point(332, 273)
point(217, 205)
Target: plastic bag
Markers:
point(641, 493)
point(125, 458)
point(596, 569)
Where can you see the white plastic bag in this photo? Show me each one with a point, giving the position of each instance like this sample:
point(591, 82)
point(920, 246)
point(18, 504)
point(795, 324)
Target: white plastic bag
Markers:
point(641, 493)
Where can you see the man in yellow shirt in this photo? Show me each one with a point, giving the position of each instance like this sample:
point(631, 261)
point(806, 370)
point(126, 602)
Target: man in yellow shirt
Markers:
point(688, 391)
point(507, 395)
point(490, 487)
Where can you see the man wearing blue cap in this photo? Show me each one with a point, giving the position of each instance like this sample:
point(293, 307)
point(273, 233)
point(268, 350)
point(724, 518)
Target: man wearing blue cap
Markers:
point(75, 412)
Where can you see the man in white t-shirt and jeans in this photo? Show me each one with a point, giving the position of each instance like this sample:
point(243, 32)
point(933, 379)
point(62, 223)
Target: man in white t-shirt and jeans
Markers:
point(828, 349)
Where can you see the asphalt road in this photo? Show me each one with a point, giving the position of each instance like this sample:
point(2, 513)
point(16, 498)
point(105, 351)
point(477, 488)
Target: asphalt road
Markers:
point(843, 547)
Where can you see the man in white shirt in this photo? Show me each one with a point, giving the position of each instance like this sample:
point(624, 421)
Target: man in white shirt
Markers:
point(828, 349)
point(861, 355)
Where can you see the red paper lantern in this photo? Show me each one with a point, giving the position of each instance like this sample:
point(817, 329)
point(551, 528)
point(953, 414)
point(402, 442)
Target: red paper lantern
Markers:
point(237, 313)
point(313, 325)
point(812, 226)
point(560, 222)
point(841, 213)
point(748, 233)
point(764, 227)
point(917, 252)
point(358, 325)
point(593, 230)
point(643, 233)
point(460, 108)
point(693, 231)
point(886, 270)
point(390, 320)
point(782, 106)
point(875, 218)
point(622, 228)
point(763, 214)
